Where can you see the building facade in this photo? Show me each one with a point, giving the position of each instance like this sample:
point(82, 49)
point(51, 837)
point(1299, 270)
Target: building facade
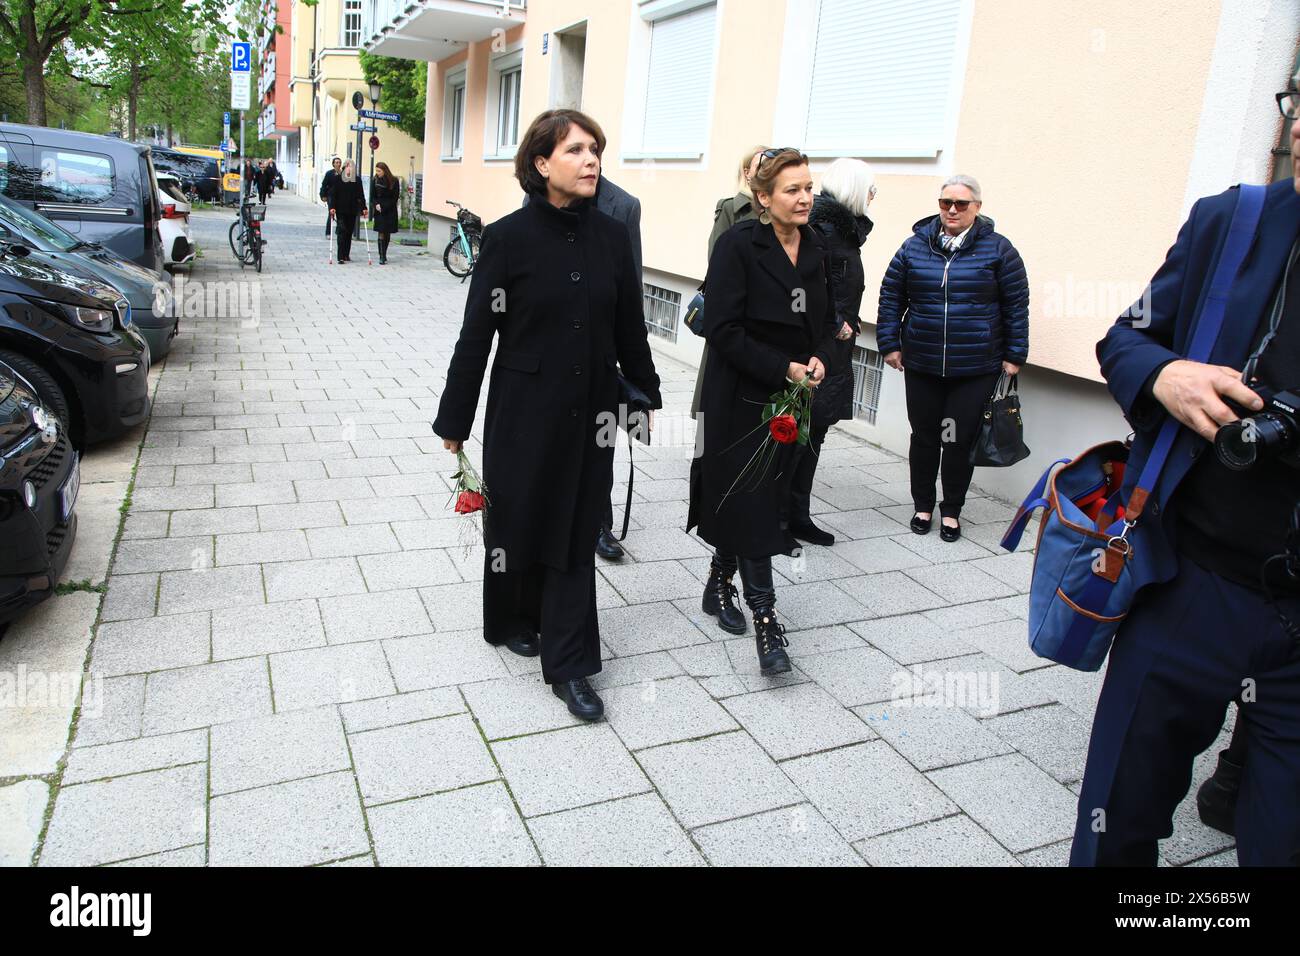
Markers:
point(1091, 127)
point(326, 72)
point(273, 118)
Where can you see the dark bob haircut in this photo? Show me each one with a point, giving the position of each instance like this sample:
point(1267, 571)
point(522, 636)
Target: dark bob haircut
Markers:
point(544, 133)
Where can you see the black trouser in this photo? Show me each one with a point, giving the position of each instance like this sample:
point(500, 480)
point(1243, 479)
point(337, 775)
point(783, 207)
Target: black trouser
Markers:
point(560, 606)
point(383, 245)
point(755, 579)
point(804, 471)
point(261, 194)
point(1188, 648)
point(945, 414)
point(344, 229)
point(328, 217)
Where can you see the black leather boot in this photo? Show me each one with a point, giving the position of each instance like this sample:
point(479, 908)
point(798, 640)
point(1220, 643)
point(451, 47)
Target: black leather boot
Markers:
point(607, 545)
point(720, 596)
point(1216, 800)
point(582, 701)
point(769, 635)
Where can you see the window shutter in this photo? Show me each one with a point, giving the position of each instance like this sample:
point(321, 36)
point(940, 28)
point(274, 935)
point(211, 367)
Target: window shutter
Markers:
point(881, 76)
point(680, 81)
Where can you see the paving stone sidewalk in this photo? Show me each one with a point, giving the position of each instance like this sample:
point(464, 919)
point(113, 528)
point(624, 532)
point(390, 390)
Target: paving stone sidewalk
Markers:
point(293, 671)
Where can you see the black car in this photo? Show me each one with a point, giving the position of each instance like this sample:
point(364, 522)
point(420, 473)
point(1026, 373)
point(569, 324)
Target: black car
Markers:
point(40, 475)
point(73, 340)
point(199, 175)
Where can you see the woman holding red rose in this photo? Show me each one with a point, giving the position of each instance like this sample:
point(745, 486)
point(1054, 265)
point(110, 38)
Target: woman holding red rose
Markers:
point(771, 320)
point(557, 287)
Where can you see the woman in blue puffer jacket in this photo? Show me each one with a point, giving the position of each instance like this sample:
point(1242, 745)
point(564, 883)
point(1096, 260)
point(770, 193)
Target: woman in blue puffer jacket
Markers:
point(954, 315)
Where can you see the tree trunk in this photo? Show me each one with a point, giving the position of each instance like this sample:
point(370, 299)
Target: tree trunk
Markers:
point(34, 80)
point(132, 98)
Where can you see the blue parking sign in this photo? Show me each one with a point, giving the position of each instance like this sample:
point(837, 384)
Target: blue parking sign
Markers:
point(241, 57)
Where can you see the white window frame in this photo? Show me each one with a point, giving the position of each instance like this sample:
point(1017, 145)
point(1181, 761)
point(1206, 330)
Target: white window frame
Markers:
point(510, 61)
point(795, 83)
point(456, 79)
point(638, 78)
point(343, 24)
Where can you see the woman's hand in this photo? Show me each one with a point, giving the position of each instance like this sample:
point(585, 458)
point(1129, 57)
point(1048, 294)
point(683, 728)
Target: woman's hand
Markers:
point(332, 215)
point(816, 370)
point(845, 332)
point(452, 446)
point(895, 360)
point(1010, 368)
point(797, 372)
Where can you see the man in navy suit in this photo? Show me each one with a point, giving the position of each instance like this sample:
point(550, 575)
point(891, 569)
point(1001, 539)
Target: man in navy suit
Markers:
point(1207, 628)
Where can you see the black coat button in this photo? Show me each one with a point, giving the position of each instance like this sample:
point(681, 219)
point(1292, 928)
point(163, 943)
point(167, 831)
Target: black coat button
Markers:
point(577, 325)
point(577, 370)
point(570, 236)
point(573, 413)
point(575, 276)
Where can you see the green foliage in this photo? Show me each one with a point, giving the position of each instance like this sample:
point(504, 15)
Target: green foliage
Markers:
point(404, 83)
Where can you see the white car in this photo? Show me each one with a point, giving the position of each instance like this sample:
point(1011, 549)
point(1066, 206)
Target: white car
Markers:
point(174, 226)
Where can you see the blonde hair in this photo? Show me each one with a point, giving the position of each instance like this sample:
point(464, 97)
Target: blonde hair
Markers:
point(849, 182)
point(745, 160)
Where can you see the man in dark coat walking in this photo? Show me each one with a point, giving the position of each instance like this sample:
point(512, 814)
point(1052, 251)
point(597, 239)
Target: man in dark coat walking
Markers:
point(326, 185)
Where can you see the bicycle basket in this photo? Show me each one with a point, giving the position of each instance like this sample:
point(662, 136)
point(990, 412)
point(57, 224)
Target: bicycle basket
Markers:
point(256, 212)
point(469, 222)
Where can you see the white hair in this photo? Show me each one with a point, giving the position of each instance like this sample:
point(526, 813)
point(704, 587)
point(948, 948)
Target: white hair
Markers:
point(850, 182)
point(959, 180)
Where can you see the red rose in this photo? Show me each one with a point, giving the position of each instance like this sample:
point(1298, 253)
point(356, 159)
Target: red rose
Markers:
point(467, 502)
point(784, 429)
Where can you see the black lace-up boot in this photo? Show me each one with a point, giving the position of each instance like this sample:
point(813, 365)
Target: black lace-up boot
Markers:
point(720, 595)
point(769, 635)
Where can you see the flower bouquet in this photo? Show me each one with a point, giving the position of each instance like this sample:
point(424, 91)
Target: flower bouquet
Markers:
point(787, 416)
point(469, 498)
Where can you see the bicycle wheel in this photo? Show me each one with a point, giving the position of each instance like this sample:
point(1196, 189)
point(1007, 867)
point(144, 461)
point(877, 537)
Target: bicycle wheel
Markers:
point(257, 252)
point(234, 235)
point(453, 257)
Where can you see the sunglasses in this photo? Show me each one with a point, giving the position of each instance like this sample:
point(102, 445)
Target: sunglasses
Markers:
point(775, 152)
point(961, 204)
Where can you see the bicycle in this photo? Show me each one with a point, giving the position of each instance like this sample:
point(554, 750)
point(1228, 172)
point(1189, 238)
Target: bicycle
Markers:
point(462, 251)
point(246, 240)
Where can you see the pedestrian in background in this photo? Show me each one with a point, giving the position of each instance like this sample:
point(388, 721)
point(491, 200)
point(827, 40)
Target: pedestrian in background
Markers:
point(726, 213)
point(326, 184)
point(771, 319)
point(557, 287)
point(385, 193)
point(263, 181)
point(347, 202)
point(954, 315)
point(839, 215)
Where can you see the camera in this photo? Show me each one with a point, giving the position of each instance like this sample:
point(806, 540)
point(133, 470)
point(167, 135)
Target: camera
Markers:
point(1273, 433)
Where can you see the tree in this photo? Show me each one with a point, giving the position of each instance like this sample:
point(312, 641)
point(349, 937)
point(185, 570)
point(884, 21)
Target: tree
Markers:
point(404, 84)
point(32, 31)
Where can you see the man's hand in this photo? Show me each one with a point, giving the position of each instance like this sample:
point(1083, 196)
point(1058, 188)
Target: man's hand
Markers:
point(1011, 368)
point(895, 360)
point(1193, 393)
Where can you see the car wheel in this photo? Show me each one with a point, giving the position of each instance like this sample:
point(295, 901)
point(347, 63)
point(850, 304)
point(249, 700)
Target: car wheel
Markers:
point(45, 385)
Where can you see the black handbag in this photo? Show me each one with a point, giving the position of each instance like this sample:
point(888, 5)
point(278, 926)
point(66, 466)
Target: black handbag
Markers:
point(634, 418)
point(1001, 438)
point(694, 318)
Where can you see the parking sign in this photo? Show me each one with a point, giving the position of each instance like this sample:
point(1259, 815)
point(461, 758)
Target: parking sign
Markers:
point(241, 57)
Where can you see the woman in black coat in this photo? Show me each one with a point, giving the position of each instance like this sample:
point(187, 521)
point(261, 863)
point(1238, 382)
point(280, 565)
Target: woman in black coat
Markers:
point(347, 202)
point(839, 215)
point(385, 192)
point(771, 320)
point(557, 285)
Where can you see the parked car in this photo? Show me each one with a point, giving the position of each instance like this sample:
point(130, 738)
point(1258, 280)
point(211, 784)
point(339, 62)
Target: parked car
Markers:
point(153, 315)
point(74, 342)
point(174, 226)
point(199, 175)
point(218, 161)
point(98, 188)
point(40, 475)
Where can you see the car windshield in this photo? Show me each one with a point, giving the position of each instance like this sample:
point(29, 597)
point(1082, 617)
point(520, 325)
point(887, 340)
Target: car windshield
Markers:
point(22, 220)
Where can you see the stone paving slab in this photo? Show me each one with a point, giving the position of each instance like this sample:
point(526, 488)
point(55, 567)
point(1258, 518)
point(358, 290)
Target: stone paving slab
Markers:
point(292, 614)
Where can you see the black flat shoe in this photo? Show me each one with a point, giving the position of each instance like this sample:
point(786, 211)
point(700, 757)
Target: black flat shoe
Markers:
point(1216, 800)
point(607, 547)
point(949, 534)
point(920, 525)
point(809, 532)
point(526, 644)
point(581, 700)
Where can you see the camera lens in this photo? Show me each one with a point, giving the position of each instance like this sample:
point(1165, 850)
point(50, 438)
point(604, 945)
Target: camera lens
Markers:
point(1241, 444)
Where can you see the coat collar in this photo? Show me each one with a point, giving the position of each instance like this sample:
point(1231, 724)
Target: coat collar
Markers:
point(806, 273)
point(566, 219)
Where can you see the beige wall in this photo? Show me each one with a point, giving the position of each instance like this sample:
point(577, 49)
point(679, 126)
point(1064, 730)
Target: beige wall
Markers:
point(1079, 120)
